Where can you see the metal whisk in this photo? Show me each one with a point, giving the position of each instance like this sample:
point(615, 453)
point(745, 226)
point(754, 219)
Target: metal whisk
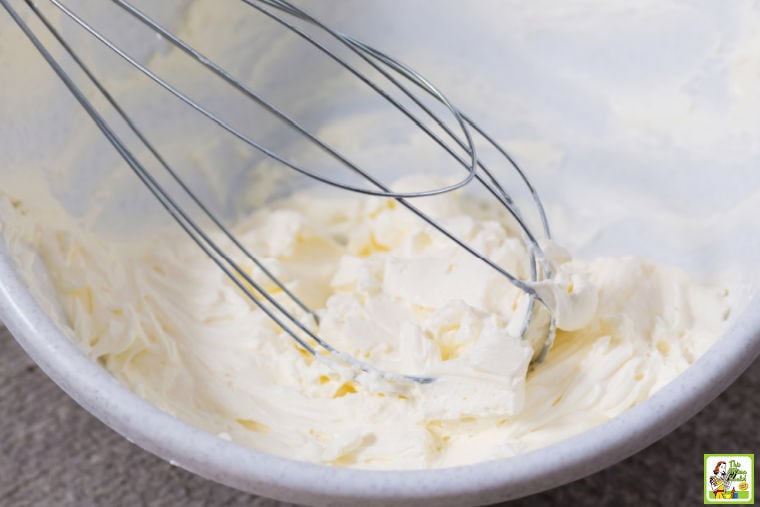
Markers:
point(457, 141)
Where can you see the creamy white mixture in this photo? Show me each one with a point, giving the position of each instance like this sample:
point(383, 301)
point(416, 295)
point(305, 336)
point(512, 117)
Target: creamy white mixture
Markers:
point(389, 290)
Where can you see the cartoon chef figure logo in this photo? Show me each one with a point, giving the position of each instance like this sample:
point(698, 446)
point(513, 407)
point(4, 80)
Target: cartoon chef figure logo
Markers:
point(720, 481)
point(729, 479)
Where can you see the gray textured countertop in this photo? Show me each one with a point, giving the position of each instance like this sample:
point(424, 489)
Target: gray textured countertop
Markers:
point(53, 453)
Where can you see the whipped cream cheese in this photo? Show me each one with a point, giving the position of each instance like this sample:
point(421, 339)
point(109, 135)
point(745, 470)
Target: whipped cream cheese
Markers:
point(389, 290)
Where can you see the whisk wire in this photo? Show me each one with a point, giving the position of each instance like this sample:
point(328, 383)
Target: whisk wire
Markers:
point(248, 92)
point(161, 82)
point(162, 161)
point(470, 149)
point(196, 233)
point(376, 59)
point(494, 187)
point(407, 72)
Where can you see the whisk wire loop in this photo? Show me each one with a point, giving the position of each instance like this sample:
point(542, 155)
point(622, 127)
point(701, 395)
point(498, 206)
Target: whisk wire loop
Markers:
point(294, 326)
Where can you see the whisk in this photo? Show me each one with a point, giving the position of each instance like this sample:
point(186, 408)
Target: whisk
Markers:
point(457, 141)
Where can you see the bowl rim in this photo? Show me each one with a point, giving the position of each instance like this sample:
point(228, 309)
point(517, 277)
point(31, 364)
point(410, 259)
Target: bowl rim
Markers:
point(244, 468)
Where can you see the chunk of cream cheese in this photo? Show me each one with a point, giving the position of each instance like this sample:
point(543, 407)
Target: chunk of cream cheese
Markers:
point(389, 290)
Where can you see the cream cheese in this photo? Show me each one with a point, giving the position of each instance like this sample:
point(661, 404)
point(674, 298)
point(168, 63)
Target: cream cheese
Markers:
point(388, 290)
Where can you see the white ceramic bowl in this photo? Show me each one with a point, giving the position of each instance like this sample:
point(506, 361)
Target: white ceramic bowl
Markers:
point(309, 484)
point(556, 72)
